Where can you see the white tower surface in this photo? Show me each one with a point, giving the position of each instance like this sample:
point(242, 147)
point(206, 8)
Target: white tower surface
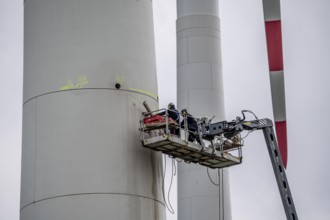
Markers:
point(81, 153)
point(200, 90)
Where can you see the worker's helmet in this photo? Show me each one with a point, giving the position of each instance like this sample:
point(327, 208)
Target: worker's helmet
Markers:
point(171, 106)
point(184, 111)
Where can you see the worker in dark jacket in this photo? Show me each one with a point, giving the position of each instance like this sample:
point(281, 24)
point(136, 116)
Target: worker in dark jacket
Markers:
point(191, 126)
point(173, 114)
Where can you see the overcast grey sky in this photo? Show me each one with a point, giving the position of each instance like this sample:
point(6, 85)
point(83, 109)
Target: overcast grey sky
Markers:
point(254, 194)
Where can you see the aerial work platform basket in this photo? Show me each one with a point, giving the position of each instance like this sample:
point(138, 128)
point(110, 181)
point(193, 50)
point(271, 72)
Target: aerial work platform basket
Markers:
point(156, 127)
point(214, 145)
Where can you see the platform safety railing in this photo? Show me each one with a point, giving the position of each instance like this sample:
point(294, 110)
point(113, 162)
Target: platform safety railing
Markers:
point(167, 126)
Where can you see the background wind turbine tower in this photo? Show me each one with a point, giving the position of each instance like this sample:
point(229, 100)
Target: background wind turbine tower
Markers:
point(200, 90)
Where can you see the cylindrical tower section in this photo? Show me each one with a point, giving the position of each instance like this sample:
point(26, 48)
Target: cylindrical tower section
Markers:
point(88, 67)
point(200, 90)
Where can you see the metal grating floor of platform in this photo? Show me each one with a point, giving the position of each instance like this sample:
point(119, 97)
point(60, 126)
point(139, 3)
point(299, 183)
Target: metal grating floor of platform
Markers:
point(191, 152)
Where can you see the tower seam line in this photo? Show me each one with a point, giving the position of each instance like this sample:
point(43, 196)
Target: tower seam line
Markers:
point(80, 194)
point(58, 91)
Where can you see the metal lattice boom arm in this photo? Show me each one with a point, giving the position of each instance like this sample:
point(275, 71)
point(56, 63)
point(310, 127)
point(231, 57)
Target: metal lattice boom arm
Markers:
point(280, 175)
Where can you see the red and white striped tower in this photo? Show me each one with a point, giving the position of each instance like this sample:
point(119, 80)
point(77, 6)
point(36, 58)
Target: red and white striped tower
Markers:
point(272, 15)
